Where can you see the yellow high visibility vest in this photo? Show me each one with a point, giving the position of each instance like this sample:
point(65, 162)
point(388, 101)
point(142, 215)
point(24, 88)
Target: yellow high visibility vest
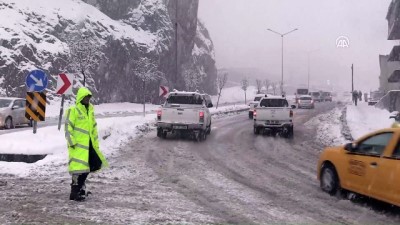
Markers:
point(80, 127)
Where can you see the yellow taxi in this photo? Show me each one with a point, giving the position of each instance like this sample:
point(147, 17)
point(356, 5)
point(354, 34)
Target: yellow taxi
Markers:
point(370, 166)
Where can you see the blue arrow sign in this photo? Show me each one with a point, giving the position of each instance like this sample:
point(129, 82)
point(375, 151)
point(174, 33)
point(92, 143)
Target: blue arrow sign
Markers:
point(36, 80)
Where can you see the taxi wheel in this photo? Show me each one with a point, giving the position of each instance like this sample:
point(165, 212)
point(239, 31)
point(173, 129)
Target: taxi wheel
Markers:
point(329, 180)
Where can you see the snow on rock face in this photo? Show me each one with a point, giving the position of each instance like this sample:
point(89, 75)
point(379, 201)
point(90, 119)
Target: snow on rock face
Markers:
point(36, 34)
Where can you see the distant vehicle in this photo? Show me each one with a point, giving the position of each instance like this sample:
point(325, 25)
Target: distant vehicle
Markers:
point(274, 115)
point(299, 92)
point(375, 96)
point(305, 101)
point(255, 103)
point(326, 96)
point(186, 113)
point(316, 96)
point(369, 166)
point(12, 113)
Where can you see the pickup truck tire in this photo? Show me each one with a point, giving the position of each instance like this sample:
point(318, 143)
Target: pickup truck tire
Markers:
point(289, 134)
point(256, 130)
point(203, 135)
point(159, 132)
point(209, 129)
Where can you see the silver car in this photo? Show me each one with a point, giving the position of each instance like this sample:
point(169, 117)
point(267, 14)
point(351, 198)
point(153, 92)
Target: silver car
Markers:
point(12, 112)
point(305, 101)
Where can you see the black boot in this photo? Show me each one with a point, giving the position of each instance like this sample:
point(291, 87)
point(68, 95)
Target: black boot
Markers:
point(75, 194)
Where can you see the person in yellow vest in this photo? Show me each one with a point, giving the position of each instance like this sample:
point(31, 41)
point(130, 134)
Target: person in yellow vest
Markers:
point(83, 145)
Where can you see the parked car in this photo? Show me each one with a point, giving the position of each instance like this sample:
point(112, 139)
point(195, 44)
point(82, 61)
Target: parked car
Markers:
point(274, 115)
point(185, 113)
point(305, 101)
point(255, 103)
point(369, 166)
point(12, 113)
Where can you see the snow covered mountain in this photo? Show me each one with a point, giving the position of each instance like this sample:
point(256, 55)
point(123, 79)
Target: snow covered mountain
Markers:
point(37, 34)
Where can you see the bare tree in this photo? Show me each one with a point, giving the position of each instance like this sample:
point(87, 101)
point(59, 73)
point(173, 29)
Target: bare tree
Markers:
point(192, 77)
point(147, 71)
point(266, 85)
point(85, 54)
point(221, 81)
point(245, 85)
point(258, 85)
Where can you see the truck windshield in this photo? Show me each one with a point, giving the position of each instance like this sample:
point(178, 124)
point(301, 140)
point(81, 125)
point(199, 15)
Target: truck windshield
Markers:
point(274, 103)
point(4, 103)
point(256, 99)
point(185, 99)
point(305, 98)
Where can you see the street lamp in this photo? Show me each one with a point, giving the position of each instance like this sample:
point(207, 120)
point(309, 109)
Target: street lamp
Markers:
point(282, 35)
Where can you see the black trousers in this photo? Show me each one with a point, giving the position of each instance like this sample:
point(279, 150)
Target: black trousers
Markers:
point(78, 180)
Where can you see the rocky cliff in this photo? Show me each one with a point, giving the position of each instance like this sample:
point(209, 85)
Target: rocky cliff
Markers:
point(37, 34)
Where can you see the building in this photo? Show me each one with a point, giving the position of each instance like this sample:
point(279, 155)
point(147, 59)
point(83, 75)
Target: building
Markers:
point(387, 69)
point(393, 67)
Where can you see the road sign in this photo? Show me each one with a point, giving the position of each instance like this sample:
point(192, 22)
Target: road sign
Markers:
point(36, 81)
point(64, 84)
point(163, 91)
point(35, 106)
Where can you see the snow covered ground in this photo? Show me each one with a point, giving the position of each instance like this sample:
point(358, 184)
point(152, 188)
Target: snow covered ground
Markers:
point(113, 133)
point(235, 95)
point(359, 120)
point(363, 119)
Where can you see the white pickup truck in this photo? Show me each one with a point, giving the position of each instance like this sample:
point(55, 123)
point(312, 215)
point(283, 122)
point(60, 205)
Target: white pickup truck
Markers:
point(185, 113)
point(255, 103)
point(274, 115)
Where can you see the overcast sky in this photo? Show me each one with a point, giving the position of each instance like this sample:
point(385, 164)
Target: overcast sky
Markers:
point(238, 29)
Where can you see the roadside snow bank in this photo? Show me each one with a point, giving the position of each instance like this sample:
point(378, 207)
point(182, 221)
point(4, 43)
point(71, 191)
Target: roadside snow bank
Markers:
point(363, 119)
point(329, 128)
point(113, 132)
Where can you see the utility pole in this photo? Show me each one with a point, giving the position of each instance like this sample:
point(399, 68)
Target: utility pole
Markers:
point(176, 76)
point(308, 80)
point(352, 78)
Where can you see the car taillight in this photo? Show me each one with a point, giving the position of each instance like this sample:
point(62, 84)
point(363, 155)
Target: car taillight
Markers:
point(159, 113)
point(291, 113)
point(201, 115)
point(254, 114)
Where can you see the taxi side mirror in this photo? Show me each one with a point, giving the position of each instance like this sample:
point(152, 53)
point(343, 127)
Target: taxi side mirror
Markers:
point(293, 106)
point(350, 147)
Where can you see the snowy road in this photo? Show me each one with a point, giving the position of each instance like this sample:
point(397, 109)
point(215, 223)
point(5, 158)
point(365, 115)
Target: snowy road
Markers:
point(233, 177)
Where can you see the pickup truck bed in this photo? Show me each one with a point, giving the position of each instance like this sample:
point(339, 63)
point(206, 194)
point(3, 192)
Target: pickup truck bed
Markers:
point(275, 116)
